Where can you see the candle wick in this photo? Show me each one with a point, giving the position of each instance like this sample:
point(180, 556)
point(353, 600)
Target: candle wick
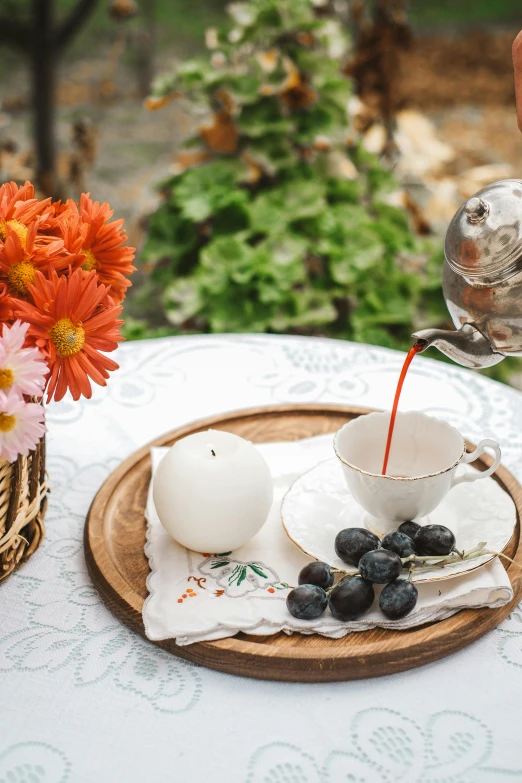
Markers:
point(213, 452)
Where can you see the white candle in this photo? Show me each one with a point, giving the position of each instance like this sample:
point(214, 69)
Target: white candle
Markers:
point(212, 491)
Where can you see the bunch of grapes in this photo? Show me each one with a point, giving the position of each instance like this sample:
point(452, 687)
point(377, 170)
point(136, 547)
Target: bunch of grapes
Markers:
point(379, 562)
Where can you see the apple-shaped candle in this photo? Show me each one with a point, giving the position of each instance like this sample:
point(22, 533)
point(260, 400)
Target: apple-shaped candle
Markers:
point(212, 491)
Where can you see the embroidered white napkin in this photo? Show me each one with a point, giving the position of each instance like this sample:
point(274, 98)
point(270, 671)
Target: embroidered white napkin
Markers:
point(197, 597)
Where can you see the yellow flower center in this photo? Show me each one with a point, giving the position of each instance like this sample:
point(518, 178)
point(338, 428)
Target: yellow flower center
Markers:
point(19, 228)
point(20, 276)
point(67, 337)
point(90, 259)
point(6, 378)
point(7, 423)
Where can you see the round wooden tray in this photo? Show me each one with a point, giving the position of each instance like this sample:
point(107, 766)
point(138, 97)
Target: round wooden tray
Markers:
point(115, 536)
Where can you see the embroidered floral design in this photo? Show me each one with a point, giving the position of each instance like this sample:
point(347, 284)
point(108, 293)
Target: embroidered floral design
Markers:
point(280, 586)
point(200, 581)
point(237, 578)
point(189, 594)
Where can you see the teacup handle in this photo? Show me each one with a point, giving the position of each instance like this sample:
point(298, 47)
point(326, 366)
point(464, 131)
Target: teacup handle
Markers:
point(481, 448)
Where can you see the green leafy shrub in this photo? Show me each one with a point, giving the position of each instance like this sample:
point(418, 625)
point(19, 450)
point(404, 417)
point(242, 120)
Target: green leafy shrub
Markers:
point(275, 218)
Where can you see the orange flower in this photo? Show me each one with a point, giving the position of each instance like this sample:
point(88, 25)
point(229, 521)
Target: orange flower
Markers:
point(58, 212)
point(70, 325)
point(73, 232)
point(19, 208)
point(61, 207)
point(6, 304)
point(19, 260)
point(102, 246)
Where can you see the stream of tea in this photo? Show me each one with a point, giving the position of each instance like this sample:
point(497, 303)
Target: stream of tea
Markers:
point(415, 349)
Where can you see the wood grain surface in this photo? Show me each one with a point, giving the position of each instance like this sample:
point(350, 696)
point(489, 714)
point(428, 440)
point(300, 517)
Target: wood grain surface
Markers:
point(115, 536)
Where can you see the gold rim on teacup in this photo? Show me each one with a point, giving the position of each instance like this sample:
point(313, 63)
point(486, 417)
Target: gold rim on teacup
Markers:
point(398, 478)
point(426, 455)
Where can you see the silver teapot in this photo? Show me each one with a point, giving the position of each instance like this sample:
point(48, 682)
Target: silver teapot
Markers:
point(482, 279)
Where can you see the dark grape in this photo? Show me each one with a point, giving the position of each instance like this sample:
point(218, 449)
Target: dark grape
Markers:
point(434, 540)
point(353, 542)
point(306, 602)
point(398, 599)
point(380, 566)
point(351, 598)
point(399, 543)
point(319, 574)
point(409, 529)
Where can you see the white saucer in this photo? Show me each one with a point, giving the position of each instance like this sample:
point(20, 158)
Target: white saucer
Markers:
point(319, 504)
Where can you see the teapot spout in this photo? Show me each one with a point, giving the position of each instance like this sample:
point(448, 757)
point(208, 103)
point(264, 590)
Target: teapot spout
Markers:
point(466, 346)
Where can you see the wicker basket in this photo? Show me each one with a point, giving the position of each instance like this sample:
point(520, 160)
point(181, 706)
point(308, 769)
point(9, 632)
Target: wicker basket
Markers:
point(23, 500)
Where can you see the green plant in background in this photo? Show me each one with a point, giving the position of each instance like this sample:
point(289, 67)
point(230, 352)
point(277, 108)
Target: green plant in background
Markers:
point(276, 217)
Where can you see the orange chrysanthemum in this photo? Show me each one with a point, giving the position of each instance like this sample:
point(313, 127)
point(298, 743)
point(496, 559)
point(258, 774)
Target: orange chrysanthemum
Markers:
point(61, 208)
point(103, 246)
point(19, 209)
point(73, 231)
point(20, 260)
point(6, 304)
point(71, 326)
point(58, 212)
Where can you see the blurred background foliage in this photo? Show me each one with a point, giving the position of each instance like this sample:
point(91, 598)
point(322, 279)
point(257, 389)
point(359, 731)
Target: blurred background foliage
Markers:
point(182, 23)
point(276, 220)
point(302, 176)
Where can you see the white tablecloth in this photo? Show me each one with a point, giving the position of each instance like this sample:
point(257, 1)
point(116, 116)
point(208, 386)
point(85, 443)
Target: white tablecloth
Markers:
point(82, 699)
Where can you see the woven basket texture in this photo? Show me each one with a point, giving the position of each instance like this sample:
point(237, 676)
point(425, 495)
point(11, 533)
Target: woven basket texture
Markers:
point(23, 500)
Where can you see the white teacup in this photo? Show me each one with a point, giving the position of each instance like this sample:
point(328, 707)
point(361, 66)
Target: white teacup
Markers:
point(422, 468)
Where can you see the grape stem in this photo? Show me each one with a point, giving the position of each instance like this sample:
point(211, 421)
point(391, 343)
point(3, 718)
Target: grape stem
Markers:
point(501, 554)
point(452, 557)
point(436, 561)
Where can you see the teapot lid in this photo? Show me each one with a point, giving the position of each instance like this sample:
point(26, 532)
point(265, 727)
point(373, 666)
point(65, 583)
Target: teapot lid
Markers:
point(484, 239)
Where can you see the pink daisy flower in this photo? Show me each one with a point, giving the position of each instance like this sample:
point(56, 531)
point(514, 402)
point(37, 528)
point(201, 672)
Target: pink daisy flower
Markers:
point(21, 425)
point(21, 369)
